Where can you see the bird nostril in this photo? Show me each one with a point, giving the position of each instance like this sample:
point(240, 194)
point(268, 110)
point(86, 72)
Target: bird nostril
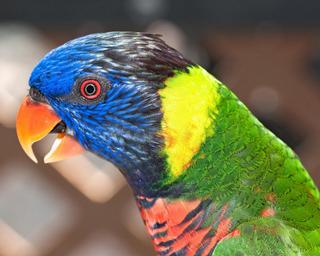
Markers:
point(36, 95)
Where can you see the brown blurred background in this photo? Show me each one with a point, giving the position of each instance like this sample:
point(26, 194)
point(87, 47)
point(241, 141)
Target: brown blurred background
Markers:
point(267, 51)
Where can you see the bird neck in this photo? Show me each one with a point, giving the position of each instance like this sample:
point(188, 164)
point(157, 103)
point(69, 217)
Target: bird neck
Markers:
point(188, 101)
point(218, 175)
point(225, 183)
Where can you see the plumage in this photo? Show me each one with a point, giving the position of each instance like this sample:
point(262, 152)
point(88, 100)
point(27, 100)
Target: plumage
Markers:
point(208, 177)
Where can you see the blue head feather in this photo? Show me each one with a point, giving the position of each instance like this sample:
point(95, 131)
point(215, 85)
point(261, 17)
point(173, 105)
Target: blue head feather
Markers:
point(122, 126)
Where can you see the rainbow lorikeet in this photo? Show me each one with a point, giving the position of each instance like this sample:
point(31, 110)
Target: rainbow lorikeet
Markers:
point(208, 177)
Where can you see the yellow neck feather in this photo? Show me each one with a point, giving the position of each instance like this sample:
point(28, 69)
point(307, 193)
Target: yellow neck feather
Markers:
point(189, 105)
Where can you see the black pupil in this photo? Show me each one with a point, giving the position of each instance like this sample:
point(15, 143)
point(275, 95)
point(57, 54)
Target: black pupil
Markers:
point(90, 89)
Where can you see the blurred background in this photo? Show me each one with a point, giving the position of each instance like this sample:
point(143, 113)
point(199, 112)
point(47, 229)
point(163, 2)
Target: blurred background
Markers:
point(267, 51)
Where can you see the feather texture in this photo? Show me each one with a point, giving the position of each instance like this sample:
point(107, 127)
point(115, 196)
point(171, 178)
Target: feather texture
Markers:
point(208, 177)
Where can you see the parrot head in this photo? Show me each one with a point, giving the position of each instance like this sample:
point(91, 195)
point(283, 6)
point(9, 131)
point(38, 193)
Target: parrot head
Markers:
point(100, 93)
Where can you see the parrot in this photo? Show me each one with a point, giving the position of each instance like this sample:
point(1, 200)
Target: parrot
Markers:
point(208, 178)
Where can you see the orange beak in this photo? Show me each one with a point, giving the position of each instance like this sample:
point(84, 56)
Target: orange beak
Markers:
point(34, 122)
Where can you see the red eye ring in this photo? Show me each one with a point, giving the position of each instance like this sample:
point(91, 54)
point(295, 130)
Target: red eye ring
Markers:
point(90, 89)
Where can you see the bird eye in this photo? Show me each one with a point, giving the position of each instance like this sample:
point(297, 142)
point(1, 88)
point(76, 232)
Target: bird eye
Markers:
point(90, 89)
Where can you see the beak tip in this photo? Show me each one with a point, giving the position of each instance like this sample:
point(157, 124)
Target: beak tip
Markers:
point(32, 157)
point(47, 160)
point(27, 147)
